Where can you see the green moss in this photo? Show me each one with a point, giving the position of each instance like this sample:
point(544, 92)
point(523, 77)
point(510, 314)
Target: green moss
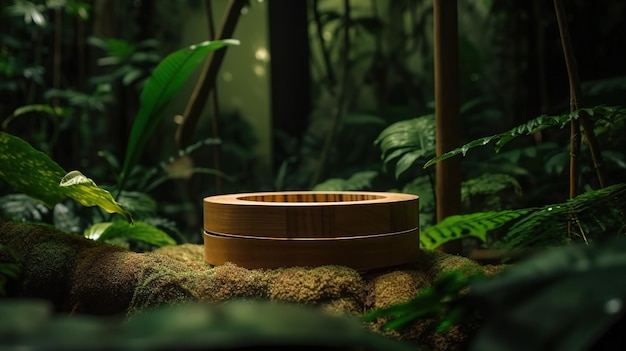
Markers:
point(309, 285)
point(396, 287)
point(49, 266)
point(230, 281)
point(435, 263)
point(104, 280)
point(190, 254)
point(161, 280)
point(84, 276)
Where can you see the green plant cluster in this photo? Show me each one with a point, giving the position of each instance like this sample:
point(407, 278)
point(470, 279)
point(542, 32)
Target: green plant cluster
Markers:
point(563, 299)
point(33, 173)
point(234, 325)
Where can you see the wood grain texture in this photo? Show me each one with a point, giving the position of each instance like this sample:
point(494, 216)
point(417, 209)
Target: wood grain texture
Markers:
point(362, 230)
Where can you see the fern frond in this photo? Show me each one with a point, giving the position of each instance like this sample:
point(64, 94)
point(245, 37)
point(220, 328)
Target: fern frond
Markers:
point(467, 225)
point(533, 126)
point(591, 214)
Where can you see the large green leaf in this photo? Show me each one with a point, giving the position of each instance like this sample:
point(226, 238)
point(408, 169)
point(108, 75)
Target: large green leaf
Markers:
point(33, 173)
point(166, 80)
point(467, 225)
point(85, 191)
point(134, 231)
point(30, 171)
point(406, 142)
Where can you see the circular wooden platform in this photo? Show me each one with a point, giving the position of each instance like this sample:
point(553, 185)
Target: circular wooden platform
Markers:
point(362, 230)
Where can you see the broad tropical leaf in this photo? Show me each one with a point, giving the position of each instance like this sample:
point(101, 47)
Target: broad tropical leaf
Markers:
point(166, 80)
point(133, 231)
point(404, 143)
point(85, 191)
point(33, 173)
point(30, 171)
point(468, 225)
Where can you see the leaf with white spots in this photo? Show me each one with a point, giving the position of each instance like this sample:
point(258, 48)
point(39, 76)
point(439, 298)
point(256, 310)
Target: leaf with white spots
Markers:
point(84, 190)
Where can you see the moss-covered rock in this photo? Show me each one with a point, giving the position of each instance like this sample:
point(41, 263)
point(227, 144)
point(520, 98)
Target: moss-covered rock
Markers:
point(79, 275)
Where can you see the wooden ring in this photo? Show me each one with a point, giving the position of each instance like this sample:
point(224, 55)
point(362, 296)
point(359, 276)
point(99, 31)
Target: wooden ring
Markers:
point(363, 230)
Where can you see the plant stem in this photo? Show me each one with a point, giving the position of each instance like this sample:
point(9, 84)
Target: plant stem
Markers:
point(206, 82)
point(330, 76)
point(215, 111)
point(342, 100)
point(575, 102)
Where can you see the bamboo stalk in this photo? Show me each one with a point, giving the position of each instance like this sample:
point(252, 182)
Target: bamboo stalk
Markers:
point(448, 172)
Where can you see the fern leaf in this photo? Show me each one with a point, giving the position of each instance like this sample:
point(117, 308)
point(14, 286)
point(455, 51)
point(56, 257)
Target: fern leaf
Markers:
point(592, 214)
point(528, 128)
point(467, 225)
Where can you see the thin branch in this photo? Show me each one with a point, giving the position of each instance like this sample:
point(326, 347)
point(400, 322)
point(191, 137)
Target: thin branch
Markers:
point(576, 96)
point(330, 75)
point(342, 100)
point(206, 82)
point(215, 111)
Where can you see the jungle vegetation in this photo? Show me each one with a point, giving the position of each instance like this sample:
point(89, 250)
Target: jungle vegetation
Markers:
point(84, 88)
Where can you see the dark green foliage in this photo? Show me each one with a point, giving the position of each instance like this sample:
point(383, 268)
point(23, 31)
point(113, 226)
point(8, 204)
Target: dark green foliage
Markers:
point(486, 191)
point(358, 181)
point(590, 214)
point(166, 80)
point(405, 143)
point(22, 208)
point(533, 126)
point(237, 325)
point(33, 173)
point(566, 299)
point(131, 62)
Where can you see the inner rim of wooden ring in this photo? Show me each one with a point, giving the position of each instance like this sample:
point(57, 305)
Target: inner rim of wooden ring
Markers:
point(311, 197)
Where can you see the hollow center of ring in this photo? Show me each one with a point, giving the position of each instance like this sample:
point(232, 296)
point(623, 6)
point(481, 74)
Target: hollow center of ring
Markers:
point(311, 197)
